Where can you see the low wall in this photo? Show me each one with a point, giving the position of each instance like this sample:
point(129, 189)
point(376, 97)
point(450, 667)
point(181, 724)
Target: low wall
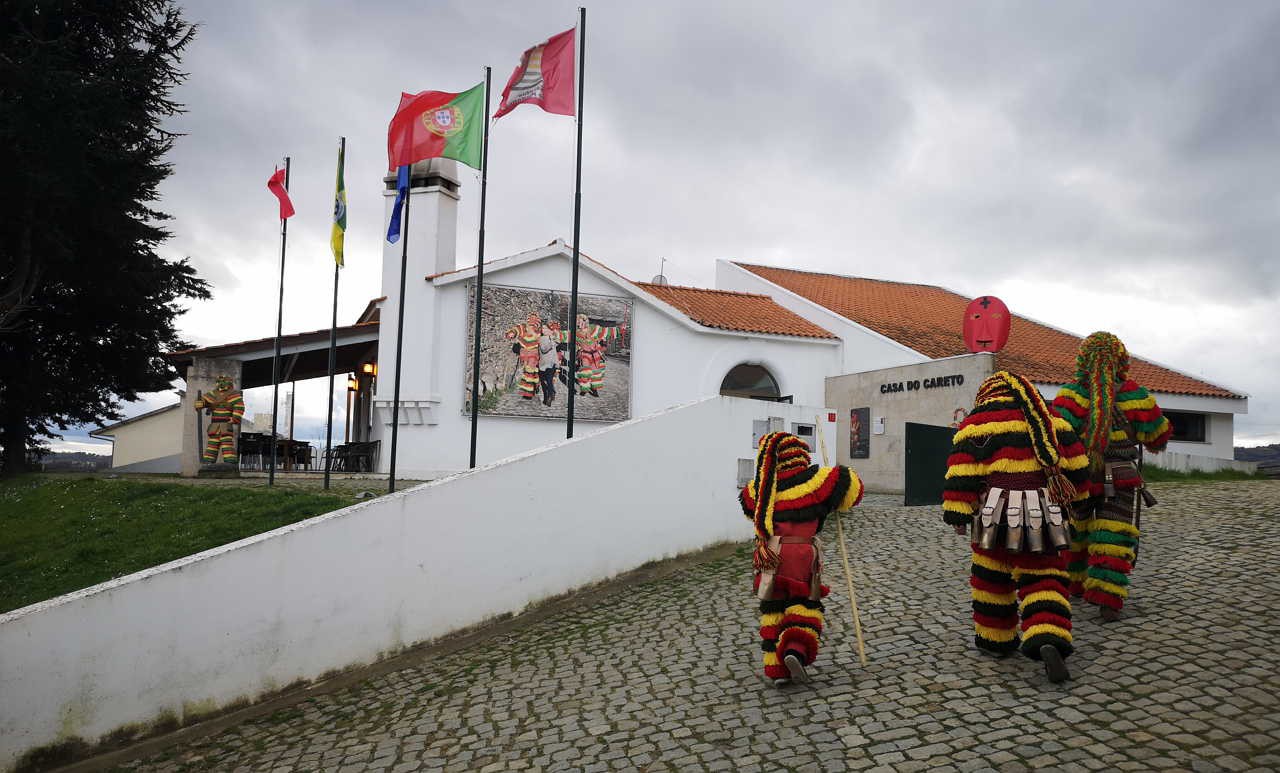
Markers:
point(1180, 462)
point(163, 464)
point(361, 583)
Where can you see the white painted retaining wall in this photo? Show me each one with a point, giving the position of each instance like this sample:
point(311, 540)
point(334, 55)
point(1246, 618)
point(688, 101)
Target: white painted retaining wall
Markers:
point(1180, 462)
point(357, 584)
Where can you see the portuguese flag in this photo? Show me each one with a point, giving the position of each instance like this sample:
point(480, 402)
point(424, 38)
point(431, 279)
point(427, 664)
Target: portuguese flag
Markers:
point(437, 124)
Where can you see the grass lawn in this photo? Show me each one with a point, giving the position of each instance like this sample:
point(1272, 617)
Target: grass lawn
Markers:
point(1152, 473)
point(61, 533)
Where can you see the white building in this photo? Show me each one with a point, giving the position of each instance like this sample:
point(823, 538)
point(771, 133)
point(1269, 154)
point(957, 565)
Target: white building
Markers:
point(768, 333)
point(893, 324)
point(151, 442)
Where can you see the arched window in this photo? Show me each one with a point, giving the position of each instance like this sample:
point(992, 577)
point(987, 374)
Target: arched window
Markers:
point(754, 381)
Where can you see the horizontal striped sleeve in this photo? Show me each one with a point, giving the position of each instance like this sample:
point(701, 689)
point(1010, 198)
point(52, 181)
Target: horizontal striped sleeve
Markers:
point(1150, 424)
point(965, 476)
point(1072, 406)
point(1070, 449)
point(1075, 460)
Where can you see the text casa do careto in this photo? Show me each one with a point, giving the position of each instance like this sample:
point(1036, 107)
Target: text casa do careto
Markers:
point(928, 383)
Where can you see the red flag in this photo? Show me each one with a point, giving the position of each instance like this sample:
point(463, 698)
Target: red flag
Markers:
point(544, 77)
point(275, 184)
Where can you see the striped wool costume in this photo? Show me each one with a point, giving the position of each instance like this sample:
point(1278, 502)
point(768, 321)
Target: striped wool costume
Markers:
point(1011, 440)
point(225, 407)
point(1104, 531)
point(794, 501)
point(590, 343)
point(527, 335)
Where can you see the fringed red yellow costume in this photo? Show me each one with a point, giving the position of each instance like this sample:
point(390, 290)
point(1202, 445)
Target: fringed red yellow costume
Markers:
point(225, 406)
point(527, 337)
point(1113, 415)
point(590, 345)
point(1011, 441)
point(788, 501)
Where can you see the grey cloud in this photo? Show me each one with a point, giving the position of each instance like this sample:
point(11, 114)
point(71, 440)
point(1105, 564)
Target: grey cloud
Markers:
point(953, 144)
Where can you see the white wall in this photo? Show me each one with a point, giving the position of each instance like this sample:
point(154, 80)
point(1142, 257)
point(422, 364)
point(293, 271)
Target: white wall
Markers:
point(863, 349)
point(1219, 438)
point(158, 436)
point(885, 469)
point(1219, 421)
point(1183, 462)
point(671, 364)
point(360, 583)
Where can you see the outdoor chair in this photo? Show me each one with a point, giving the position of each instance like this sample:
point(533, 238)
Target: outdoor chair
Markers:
point(302, 456)
point(252, 445)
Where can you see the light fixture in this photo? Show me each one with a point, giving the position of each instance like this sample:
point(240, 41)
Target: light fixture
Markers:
point(369, 367)
point(352, 385)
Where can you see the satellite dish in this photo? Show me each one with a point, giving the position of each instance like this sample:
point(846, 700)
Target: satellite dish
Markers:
point(660, 280)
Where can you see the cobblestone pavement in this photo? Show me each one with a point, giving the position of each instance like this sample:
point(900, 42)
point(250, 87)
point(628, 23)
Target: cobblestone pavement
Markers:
point(665, 675)
point(612, 404)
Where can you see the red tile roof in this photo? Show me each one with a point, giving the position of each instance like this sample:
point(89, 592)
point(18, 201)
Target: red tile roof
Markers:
point(928, 319)
point(745, 312)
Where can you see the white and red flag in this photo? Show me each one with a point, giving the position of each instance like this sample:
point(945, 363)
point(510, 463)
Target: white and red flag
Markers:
point(544, 77)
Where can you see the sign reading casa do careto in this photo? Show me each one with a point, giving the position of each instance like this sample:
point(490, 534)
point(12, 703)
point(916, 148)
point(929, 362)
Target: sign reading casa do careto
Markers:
point(935, 382)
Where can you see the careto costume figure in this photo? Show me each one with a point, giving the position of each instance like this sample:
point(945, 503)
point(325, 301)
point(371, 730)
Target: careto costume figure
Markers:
point(225, 406)
point(527, 337)
point(1113, 415)
point(788, 501)
point(1012, 477)
point(590, 344)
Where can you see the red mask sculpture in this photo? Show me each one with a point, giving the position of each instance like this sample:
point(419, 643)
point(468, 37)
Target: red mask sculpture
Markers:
point(986, 324)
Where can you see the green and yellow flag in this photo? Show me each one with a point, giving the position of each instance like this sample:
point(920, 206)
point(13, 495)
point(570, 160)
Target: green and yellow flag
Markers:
point(338, 236)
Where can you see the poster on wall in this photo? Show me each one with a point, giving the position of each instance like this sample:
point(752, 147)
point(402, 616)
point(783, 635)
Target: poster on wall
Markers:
point(860, 433)
point(524, 355)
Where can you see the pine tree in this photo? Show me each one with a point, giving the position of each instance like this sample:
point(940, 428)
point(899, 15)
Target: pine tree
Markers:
point(87, 307)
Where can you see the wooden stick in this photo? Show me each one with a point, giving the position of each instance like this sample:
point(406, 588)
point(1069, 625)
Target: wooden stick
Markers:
point(844, 556)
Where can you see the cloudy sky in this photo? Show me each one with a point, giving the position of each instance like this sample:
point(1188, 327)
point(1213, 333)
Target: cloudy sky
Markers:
point(1097, 165)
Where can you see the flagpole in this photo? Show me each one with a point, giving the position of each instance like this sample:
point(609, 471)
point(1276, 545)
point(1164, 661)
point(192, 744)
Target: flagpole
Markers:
point(479, 290)
point(275, 359)
point(333, 336)
point(395, 398)
point(577, 222)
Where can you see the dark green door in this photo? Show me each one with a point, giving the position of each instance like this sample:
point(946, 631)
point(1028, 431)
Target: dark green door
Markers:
point(926, 463)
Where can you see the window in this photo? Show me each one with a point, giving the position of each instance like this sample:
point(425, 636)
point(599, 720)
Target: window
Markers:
point(754, 381)
point(1189, 427)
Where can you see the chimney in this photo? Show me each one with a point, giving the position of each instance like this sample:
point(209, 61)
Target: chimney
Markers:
point(432, 247)
point(433, 223)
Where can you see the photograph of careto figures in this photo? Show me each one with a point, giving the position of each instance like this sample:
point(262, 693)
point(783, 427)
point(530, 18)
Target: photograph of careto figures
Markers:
point(524, 355)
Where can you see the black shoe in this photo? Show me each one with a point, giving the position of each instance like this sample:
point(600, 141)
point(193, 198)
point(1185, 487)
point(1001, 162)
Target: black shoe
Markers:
point(594, 393)
point(1110, 615)
point(795, 666)
point(1054, 666)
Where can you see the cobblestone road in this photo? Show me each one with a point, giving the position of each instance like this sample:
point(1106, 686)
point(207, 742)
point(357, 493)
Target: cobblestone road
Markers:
point(664, 675)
